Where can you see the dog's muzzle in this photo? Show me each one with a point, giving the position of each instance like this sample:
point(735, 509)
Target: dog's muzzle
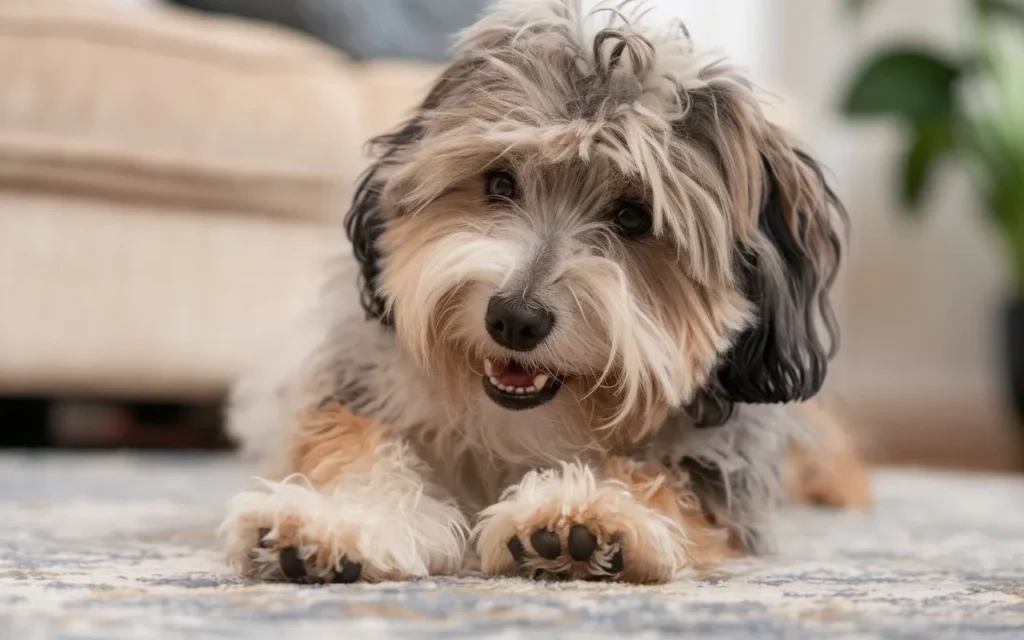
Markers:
point(518, 325)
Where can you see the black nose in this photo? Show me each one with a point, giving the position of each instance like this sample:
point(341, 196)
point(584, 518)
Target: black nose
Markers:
point(516, 325)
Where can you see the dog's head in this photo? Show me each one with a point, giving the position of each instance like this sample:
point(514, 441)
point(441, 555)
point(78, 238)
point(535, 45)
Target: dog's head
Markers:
point(599, 219)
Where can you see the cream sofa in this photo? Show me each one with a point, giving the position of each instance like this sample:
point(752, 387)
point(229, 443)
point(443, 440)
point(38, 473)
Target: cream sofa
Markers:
point(169, 182)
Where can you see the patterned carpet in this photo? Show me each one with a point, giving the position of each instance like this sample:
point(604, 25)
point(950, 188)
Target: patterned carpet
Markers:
point(119, 546)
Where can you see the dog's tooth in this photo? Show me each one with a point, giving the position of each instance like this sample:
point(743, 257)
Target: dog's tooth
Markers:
point(520, 390)
point(489, 368)
point(531, 389)
point(540, 380)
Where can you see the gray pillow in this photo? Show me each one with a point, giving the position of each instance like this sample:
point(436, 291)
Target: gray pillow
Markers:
point(364, 29)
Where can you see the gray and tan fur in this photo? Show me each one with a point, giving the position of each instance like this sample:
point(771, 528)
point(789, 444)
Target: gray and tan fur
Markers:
point(673, 346)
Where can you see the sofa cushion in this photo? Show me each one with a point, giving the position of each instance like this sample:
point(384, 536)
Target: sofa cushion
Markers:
point(162, 105)
point(121, 299)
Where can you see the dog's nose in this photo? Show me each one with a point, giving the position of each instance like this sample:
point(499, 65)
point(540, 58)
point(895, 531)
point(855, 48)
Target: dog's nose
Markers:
point(518, 326)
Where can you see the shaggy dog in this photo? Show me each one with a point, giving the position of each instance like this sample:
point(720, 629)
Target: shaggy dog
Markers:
point(594, 273)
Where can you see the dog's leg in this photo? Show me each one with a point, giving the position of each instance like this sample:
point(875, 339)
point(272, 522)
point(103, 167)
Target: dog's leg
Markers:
point(359, 507)
point(628, 521)
point(831, 470)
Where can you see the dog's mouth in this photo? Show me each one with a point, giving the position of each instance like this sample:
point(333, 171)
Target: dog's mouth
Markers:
point(512, 386)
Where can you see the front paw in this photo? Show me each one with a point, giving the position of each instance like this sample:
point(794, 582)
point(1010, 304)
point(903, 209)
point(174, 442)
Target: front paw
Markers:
point(292, 532)
point(567, 524)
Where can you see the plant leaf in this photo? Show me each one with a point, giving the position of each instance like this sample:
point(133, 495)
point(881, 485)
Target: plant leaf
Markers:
point(1001, 8)
point(912, 83)
point(930, 141)
point(858, 7)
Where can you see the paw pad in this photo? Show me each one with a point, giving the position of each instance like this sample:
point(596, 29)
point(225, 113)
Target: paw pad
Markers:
point(292, 565)
point(515, 547)
point(582, 543)
point(616, 564)
point(583, 555)
point(546, 544)
point(350, 572)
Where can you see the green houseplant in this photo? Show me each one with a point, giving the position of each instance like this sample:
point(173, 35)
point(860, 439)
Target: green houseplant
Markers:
point(968, 109)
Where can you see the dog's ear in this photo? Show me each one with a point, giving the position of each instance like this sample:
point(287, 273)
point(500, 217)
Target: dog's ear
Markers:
point(786, 271)
point(365, 221)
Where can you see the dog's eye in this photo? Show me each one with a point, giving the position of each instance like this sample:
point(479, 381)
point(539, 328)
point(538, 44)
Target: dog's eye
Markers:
point(633, 220)
point(501, 185)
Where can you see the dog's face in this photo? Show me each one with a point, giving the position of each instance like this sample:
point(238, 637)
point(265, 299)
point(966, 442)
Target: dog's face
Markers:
point(605, 223)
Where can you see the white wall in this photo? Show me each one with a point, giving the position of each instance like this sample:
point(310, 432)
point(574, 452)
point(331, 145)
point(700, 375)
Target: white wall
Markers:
point(736, 27)
point(921, 299)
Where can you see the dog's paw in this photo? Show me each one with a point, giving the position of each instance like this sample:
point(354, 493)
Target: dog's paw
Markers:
point(567, 524)
point(285, 556)
point(291, 532)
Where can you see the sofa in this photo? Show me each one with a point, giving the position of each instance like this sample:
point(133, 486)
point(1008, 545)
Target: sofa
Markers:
point(169, 184)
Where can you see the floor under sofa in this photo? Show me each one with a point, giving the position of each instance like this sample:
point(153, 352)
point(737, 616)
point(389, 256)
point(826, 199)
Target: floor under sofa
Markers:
point(123, 546)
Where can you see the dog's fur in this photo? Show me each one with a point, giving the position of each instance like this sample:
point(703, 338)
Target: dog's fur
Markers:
point(676, 350)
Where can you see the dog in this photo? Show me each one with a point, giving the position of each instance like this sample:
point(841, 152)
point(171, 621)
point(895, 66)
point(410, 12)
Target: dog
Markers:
point(593, 277)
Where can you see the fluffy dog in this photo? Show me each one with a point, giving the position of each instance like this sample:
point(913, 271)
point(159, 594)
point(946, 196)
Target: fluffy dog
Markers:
point(594, 274)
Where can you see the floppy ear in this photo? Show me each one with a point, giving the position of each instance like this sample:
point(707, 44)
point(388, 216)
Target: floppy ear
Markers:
point(365, 221)
point(786, 271)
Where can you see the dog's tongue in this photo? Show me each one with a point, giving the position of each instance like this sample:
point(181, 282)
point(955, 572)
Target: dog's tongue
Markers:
point(511, 374)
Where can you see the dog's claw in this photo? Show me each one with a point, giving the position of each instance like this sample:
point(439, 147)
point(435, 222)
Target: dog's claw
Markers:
point(582, 543)
point(546, 544)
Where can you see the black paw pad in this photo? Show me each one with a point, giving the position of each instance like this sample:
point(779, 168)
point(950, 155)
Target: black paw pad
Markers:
point(616, 565)
point(546, 544)
point(582, 543)
point(515, 547)
point(348, 572)
point(292, 565)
